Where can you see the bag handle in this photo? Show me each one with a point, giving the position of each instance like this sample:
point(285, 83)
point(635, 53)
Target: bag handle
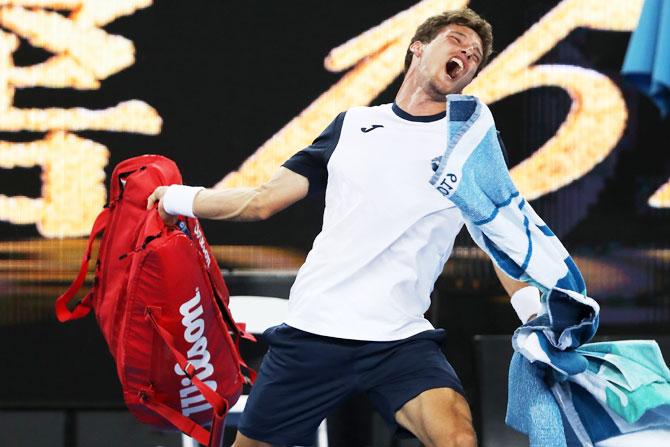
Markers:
point(153, 226)
point(219, 405)
point(84, 306)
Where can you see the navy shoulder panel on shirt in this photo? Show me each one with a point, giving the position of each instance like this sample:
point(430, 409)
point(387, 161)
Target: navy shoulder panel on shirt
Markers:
point(312, 161)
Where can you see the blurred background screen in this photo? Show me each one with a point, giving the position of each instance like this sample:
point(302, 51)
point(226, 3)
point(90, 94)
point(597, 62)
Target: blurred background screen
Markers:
point(229, 90)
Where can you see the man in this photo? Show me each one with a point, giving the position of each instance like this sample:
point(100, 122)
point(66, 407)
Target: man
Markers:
point(355, 321)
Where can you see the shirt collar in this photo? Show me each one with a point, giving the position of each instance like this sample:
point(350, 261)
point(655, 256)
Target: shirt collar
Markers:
point(418, 118)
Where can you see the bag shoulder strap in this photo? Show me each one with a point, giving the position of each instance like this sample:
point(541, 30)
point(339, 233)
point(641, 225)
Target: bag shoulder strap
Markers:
point(185, 425)
point(84, 306)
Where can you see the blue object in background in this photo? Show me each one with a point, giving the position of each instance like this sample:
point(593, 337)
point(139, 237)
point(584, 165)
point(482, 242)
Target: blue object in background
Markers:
point(647, 61)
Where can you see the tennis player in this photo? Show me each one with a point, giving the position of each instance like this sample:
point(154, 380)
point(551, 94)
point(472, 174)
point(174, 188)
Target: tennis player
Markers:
point(356, 310)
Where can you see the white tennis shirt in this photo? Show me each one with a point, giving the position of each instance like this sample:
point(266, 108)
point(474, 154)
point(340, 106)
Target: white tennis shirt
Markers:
point(386, 232)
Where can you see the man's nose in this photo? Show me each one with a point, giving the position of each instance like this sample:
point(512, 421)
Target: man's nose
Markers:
point(467, 52)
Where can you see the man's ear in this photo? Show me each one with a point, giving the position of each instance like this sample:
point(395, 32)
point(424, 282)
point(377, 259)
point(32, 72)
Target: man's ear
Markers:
point(416, 48)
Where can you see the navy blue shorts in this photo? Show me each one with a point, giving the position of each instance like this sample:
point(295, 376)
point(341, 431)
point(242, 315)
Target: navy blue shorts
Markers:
point(304, 376)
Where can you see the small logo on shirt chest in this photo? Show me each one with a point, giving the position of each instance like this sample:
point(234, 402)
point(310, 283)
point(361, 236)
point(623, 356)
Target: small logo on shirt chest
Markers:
point(371, 128)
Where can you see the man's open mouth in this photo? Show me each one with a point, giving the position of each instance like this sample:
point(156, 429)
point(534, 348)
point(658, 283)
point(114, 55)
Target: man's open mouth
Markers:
point(454, 67)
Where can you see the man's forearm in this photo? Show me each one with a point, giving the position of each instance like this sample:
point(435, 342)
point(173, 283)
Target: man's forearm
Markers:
point(234, 204)
point(510, 285)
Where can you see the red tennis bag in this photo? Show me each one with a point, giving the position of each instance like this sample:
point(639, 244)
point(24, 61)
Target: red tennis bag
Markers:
point(162, 305)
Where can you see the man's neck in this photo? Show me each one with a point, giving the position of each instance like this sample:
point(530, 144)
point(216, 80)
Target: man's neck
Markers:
point(413, 99)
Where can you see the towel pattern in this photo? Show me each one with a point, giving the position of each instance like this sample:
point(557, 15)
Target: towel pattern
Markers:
point(562, 390)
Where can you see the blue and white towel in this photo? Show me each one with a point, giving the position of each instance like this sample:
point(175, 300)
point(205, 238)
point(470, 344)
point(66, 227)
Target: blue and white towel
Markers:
point(562, 391)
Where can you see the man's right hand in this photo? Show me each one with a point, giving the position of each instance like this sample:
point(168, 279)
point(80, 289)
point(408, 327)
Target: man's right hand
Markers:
point(157, 197)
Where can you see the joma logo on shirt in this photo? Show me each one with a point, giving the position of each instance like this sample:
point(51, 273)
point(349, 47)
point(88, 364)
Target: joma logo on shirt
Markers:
point(371, 128)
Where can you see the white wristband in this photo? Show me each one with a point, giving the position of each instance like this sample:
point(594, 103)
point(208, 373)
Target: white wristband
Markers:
point(178, 199)
point(526, 302)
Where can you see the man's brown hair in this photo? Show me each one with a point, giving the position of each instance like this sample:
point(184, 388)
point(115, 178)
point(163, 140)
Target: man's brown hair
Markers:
point(427, 31)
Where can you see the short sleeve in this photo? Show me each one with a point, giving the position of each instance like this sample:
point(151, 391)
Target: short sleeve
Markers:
point(312, 162)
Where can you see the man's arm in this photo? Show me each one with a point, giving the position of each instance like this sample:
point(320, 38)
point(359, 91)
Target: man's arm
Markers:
point(510, 285)
point(525, 299)
point(304, 173)
point(242, 204)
